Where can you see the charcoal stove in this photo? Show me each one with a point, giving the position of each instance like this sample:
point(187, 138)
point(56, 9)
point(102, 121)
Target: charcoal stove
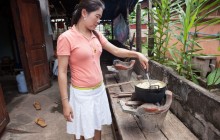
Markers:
point(123, 69)
point(151, 115)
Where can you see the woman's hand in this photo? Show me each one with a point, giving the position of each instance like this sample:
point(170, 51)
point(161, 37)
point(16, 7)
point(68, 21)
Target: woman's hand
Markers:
point(143, 60)
point(67, 112)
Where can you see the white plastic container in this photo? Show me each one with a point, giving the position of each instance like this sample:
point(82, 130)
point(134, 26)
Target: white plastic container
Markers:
point(22, 86)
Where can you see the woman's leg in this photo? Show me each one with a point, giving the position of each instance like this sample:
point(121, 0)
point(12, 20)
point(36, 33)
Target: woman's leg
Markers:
point(81, 138)
point(97, 135)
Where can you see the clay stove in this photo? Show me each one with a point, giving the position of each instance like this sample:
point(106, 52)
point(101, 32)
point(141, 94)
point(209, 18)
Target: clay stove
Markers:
point(151, 116)
point(123, 69)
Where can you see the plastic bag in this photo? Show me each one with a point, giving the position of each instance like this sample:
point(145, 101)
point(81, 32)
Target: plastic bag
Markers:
point(120, 29)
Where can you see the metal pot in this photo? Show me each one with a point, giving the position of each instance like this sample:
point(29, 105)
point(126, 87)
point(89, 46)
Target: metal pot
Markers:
point(152, 94)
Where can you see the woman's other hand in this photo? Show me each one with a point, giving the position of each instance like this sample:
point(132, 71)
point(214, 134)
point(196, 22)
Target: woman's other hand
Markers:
point(67, 112)
point(143, 60)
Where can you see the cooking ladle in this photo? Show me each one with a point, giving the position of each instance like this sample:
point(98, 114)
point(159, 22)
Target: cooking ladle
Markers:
point(148, 78)
point(149, 81)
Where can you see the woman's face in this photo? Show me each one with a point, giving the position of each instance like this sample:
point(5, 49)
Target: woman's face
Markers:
point(92, 19)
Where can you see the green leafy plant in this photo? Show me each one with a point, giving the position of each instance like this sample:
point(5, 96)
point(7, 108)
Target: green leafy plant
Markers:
point(214, 77)
point(191, 15)
point(183, 57)
point(162, 13)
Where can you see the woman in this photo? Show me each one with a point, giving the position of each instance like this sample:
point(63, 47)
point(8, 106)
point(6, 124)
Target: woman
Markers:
point(80, 47)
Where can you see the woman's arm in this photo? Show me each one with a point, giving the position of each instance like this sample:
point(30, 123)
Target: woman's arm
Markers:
point(120, 52)
point(62, 81)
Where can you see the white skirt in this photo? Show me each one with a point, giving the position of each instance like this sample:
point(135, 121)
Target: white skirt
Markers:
point(90, 111)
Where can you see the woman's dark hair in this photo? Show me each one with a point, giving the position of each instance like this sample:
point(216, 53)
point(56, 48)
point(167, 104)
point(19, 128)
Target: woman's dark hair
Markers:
point(89, 5)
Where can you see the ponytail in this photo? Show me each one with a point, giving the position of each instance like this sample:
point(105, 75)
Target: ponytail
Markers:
point(76, 15)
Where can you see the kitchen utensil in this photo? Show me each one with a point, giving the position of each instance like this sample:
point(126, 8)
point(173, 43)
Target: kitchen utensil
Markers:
point(148, 94)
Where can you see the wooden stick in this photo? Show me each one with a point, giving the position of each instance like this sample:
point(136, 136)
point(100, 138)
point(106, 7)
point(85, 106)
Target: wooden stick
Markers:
point(122, 95)
point(124, 92)
point(133, 103)
point(123, 83)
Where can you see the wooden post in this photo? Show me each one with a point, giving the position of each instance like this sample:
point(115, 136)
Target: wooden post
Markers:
point(138, 28)
point(150, 31)
point(127, 19)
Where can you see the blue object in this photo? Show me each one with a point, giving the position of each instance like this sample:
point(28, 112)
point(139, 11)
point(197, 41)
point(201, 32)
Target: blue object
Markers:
point(22, 86)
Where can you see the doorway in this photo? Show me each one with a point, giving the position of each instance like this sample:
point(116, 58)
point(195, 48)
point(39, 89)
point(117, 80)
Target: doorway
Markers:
point(10, 62)
point(23, 46)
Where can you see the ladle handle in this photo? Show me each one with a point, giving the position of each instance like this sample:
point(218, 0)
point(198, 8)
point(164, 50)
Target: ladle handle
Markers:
point(148, 78)
point(146, 70)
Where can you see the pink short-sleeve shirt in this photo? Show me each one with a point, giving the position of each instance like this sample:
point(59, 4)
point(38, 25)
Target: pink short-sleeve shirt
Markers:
point(84, 56)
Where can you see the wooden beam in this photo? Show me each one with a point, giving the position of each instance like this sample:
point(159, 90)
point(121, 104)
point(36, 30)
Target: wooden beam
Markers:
point(138, 28)
point(150, 31)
